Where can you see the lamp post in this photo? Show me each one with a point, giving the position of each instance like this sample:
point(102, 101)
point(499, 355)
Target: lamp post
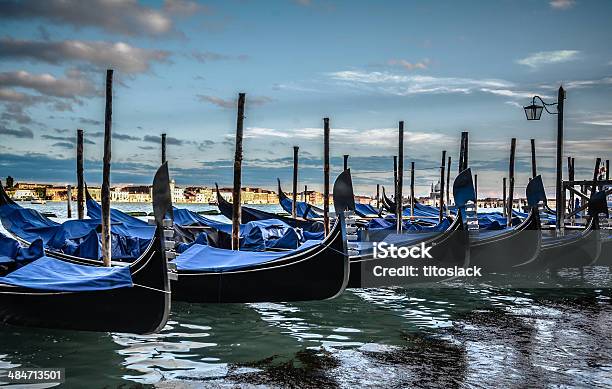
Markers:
point(534, 112)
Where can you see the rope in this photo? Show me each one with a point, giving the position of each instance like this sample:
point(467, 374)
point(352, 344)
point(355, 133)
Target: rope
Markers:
point(154, 289)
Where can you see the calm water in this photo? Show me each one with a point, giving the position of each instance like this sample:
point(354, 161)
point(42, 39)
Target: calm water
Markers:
point(379, 337)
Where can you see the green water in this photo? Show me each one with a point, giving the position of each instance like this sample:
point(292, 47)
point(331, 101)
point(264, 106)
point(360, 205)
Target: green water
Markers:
point(464, 337)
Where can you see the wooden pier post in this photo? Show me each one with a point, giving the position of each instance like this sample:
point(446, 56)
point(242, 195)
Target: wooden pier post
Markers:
point(534, 169)
point(476, 190)
point(559, 196)
point(400, 177)
point(295, 181)
point(595, 175)
point(236, 206)
point(377, 195)
point(80, 180)
point(570, 175)
point(304, 194)
point(461, 151)
point(511, 175)
point(504, 198)
point(69, 201)
point(346, 157)
point(412, 190)
point(607, 169)
point(466, 150)
point(163, 148)
point(442, 167)
point(106, 161)
point(394, 176)
point(448, 170)
point(326, 175)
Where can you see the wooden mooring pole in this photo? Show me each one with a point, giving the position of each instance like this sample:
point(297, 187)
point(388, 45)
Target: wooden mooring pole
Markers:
point(377, 195)
point(511, 188)
point(504, 190)
point(236, 206)
point(442, 167)
point(595, 176)
point(412, 190)
point(296, 149)
point(106, 166)
point(80, 180)
point(163, 148)
point(400, 177)
point(326, 175)
point(570, 174)
point(394, 176)
point(69, 201)
point(476, 190)
point(346, 157)
point(534, 170)
point(448, 170)
point(461, 151)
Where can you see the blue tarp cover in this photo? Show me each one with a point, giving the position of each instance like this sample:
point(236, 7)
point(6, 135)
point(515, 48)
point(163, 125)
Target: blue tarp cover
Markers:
point(206, 258)
point(302, 209)
point(51, 274)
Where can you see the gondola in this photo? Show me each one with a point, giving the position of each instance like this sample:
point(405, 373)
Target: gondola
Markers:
point(503, 250)
point(249, 214)
point(318, 270)
point(450, 249)
point(309, 211)
point(303, 209)
point(573, 250)
point(63, 292)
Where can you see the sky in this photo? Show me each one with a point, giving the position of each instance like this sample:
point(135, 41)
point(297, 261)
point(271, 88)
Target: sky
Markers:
point(441, 66)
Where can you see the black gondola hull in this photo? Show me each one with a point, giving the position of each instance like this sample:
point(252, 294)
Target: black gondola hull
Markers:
point(449, 249)
point(139, 309)
point(317, 274)
point(504, 252)
point(582, 250)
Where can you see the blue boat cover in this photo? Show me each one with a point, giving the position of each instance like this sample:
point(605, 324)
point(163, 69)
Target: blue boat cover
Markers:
point(52, 274)
point(41, 272)
point(206, 258)
point(364, 210)
point(255, 236)
point(302, 209)
point(12, 252)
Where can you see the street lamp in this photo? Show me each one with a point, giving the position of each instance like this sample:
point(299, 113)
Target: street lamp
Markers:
point(534, 112)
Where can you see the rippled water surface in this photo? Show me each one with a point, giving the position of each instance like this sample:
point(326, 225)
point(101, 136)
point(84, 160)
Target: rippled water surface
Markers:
point(377, 337)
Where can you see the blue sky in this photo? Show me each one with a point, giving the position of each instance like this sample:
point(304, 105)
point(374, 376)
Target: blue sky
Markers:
point(442, 67)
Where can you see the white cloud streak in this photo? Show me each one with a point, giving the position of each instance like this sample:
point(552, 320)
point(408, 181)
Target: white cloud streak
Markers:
point(540, 58)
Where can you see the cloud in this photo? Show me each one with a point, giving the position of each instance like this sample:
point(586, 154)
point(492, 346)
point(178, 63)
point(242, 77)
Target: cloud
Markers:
point(157, 139)
point(67, 139)
point(23, 132)
point(69, 87)
point(220, 102)
point(562, 4)
point(125, 17)
point(182, 7)
point(209, 56)
point(90, 121)
point(101, 55)
point(549, 57)
point(64, 145)
point(410, 65)
point(14, 111)
point(115, 135)
point(382, 137)
point(405, 85)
